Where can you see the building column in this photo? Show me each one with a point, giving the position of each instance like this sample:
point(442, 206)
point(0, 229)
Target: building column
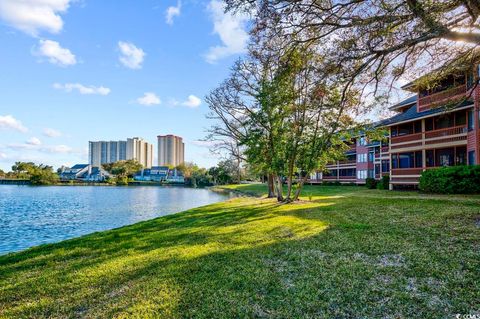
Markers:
point(424, 152)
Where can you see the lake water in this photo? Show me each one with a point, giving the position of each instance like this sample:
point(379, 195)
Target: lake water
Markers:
point(31, 216)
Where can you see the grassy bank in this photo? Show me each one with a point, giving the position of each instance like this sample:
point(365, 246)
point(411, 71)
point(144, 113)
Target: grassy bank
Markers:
point(349, 252)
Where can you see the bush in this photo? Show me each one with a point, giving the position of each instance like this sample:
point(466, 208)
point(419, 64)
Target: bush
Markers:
point(384, 183)
point(451, 180)
point(371, 183)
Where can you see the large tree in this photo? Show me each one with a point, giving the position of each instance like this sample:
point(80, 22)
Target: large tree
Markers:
point(374, 42)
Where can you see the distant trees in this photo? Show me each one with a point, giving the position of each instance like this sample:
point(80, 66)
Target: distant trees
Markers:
point(195, 176)
point(123, 170)
point(37, 174)
point(226, 172)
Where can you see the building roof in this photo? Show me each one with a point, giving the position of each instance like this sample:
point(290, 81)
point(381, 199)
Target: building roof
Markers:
point(412, 114)
point(79, 166)
point(408, 101)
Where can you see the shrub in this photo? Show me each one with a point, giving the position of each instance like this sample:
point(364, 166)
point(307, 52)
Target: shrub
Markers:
point(384, 183)
point(451, 180)
point(371, 183)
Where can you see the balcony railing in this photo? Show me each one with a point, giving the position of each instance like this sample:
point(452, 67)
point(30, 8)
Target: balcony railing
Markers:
point(429, 101)
point(446, 132)
point(406, 171)
point(347, 162)
point(406, 138)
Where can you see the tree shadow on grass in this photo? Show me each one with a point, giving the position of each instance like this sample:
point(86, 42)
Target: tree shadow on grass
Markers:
point(243, 258)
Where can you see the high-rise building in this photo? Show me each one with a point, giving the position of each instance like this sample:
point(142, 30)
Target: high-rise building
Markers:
point(171, 150)
point(140, 150)
point(103, 152)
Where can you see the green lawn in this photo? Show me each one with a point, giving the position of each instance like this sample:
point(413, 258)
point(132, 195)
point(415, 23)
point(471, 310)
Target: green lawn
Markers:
point(347, 253)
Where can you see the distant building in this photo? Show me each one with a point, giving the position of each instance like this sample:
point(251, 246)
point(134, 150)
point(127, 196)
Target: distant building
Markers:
point(76, 172)
point(154, 174)
point(103, 152)
point(83, 172)
point(171, 150)
point(160, 174)
point(141, 151)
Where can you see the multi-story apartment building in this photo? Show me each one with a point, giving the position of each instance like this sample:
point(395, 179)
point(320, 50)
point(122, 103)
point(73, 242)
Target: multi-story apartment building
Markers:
point(140, 150)
point(103, 152)
point(171, 150)
point(433, 128)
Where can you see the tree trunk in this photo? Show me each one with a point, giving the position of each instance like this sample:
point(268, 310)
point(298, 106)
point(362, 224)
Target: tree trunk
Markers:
point(271, 186)
point(279, 188)
point(301, 182)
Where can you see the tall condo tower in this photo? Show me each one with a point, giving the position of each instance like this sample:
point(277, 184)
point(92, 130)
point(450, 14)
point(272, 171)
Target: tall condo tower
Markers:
point(103, 152)
point(171, 150)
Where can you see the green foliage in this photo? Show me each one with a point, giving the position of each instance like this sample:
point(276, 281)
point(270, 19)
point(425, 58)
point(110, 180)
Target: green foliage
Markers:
point(122, 170)
point(226, 172)
point(37, 174)
point(451, 180)
point(384, 183)
point(371, 183)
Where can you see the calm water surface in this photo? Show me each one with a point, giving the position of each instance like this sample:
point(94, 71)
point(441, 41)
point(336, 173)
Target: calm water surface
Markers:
point(31, 216)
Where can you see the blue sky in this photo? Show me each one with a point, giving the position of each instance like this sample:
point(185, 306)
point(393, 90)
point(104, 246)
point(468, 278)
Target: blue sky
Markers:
point(74, 71)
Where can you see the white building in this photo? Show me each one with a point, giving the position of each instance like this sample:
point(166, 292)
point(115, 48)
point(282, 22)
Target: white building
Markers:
point(103, 152)
point(171, 150)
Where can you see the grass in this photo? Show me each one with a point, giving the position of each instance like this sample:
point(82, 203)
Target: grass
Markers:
point(346, 253)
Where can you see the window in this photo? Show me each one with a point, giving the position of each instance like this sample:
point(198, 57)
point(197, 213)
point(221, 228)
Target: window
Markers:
point(362, 174)
point(418, 159)
point(405, 160)
point(405, 129)
point(347, 172)
point(371, 173)
point(444, 121)
point(362, 158)
point(371, 156)
point(394, 161)
point(444, 157)
point(470, 124)
point(471, 158)
point(429, 124)
point(385, 166)
point(417, 127)
point(430, 158)
point(461, 155)
point(362, 141)
point(393, 131)
point(377, 169)
point(460, 118)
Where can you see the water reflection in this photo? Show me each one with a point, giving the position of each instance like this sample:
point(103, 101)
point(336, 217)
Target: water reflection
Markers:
point(30, 216)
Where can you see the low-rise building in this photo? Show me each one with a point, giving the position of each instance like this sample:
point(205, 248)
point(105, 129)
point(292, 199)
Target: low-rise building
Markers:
point(433, 128)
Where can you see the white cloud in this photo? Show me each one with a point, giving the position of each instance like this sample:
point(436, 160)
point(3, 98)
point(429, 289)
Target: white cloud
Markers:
point(50, 132)
point(55, 53)
point(3, 155)
point(131, 56)
point(34, 141)
point(56, 149)
point(231, 30)
point(82, 89)
point(31, 16)
point(172, 12)
point(60, 149)
point(9, 122)
point(148, 99)
point(192, 101)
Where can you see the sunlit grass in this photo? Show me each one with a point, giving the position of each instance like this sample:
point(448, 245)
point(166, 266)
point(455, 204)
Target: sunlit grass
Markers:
point(347, 252)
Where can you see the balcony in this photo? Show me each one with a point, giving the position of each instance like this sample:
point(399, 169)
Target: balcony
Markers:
point(406, 171)
point(406, 138)
point(432, 100)
point(446, 132)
